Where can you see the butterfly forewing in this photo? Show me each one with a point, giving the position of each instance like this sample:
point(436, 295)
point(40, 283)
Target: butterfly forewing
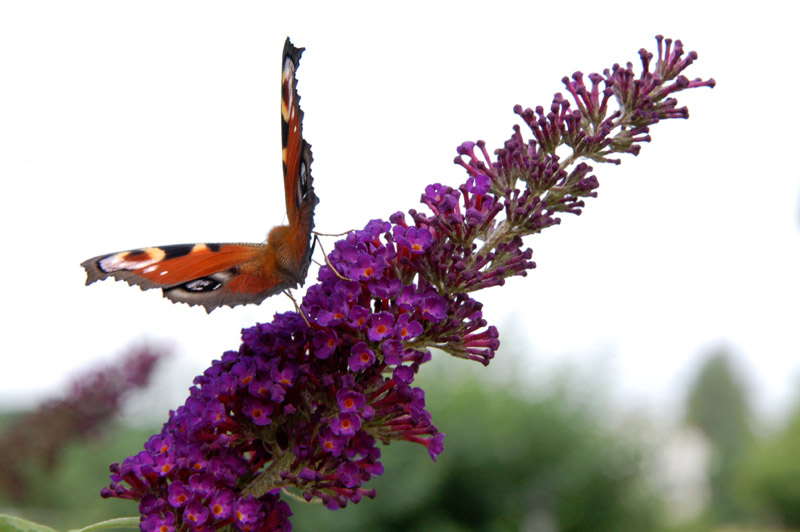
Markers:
point(297, 158)
point(292, 133)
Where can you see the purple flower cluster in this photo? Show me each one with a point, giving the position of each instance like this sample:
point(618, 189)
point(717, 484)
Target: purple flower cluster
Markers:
point(303, 403)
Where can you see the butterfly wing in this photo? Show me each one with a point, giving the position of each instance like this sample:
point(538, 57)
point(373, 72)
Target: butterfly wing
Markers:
point(210, 275)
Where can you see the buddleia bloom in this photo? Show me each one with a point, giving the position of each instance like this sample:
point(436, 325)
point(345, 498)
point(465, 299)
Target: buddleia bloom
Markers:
point(303, 403)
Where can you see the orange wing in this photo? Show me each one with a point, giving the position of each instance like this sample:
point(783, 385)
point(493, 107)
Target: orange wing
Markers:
point(210, 275)
point(297, 181)
point(213, 275)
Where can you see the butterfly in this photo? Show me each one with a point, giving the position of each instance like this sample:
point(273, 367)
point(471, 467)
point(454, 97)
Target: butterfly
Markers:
point(213, 275)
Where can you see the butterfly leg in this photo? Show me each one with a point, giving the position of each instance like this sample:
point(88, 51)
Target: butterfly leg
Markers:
point(297, 307)
point(318, 241)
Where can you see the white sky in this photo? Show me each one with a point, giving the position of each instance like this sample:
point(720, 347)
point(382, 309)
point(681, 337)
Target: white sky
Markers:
point(128, 124)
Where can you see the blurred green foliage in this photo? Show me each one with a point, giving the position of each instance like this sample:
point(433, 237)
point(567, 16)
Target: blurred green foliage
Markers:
point(68, 496)
point(771, 475)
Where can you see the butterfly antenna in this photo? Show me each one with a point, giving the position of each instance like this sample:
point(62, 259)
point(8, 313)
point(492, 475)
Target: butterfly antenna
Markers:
point(317, 240)
point(296, 306)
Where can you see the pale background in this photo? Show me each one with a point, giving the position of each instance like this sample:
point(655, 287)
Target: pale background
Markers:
point(128, 124)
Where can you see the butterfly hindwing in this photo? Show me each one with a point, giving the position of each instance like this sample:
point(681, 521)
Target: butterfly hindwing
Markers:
point(213, 275)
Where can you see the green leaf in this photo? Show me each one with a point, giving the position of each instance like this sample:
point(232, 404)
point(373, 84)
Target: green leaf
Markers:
point(9, 523)
point(120, 522)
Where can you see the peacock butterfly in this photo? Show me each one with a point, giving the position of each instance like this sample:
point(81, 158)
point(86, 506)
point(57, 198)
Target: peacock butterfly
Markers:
point(213, 275)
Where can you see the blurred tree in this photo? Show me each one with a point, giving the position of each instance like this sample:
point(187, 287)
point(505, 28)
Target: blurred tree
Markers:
point(510, 463)
point(718, 406)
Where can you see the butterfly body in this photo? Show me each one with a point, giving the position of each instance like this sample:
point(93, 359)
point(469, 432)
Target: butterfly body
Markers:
point(213, 275)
